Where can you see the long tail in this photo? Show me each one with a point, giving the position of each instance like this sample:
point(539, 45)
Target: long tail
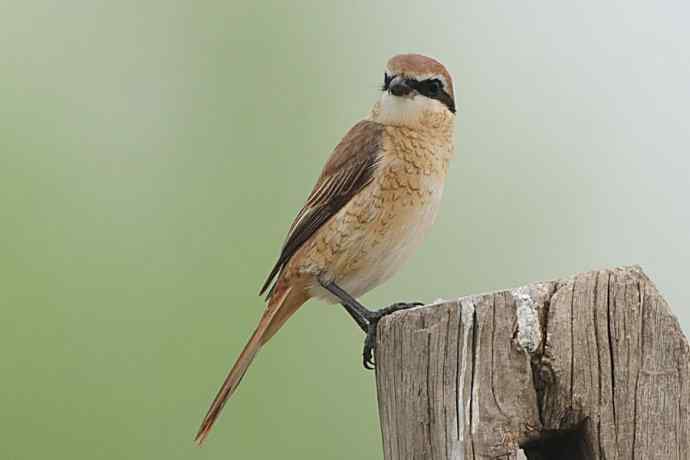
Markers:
point(278, 310)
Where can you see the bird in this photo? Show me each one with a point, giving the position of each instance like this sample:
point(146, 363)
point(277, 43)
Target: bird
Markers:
point(375, 199)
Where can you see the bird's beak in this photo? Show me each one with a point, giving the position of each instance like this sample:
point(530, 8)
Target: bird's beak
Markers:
point(399, 87)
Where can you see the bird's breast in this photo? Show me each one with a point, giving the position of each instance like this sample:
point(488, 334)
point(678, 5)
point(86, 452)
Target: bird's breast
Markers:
point(407, 203)
point(376, 232)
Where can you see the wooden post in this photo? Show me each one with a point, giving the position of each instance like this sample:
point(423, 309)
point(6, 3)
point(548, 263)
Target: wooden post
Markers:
point(590, 367)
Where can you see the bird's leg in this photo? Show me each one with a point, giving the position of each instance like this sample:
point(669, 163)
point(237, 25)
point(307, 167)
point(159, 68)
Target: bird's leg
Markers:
point(361, 314)
point(367, 319)
point(361, 321)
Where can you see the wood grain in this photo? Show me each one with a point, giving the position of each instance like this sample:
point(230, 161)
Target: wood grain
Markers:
point(590, 367)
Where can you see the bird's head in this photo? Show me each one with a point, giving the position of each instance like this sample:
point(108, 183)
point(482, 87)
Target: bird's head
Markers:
point(417, 91)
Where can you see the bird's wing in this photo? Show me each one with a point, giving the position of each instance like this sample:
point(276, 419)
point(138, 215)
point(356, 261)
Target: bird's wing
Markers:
point(349, 169)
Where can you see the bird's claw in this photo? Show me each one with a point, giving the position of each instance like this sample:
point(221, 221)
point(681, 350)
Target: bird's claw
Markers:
point(370, 340)
point(369, 344)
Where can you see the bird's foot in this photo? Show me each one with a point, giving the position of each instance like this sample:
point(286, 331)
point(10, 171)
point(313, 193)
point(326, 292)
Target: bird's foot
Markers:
point(374, 318)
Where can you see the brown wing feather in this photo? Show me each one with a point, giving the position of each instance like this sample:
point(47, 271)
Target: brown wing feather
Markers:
point(349, 169)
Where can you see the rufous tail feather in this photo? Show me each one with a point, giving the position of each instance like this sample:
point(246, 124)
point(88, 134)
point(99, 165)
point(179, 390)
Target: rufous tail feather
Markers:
point(276, 313)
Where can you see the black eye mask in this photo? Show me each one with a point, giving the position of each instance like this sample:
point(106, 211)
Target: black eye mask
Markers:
point(431, 88)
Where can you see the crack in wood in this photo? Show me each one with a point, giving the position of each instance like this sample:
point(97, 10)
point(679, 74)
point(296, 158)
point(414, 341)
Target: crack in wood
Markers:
point(474, 386)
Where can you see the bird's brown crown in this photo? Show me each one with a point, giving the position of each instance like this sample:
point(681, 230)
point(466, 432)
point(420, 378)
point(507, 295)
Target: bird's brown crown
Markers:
point(419, 66)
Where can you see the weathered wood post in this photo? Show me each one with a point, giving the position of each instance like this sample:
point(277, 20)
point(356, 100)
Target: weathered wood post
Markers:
point(591, 367)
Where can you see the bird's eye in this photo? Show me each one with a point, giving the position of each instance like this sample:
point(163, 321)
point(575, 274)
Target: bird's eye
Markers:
point(433, 88)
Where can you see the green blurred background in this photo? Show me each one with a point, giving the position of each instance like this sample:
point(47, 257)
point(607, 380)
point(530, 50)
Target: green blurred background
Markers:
point(153, 154)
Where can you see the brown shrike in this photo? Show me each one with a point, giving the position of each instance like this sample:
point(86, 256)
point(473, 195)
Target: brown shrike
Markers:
point(375, 199)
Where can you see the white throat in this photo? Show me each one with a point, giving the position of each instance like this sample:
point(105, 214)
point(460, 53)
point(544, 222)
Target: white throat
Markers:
point(404, 111)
